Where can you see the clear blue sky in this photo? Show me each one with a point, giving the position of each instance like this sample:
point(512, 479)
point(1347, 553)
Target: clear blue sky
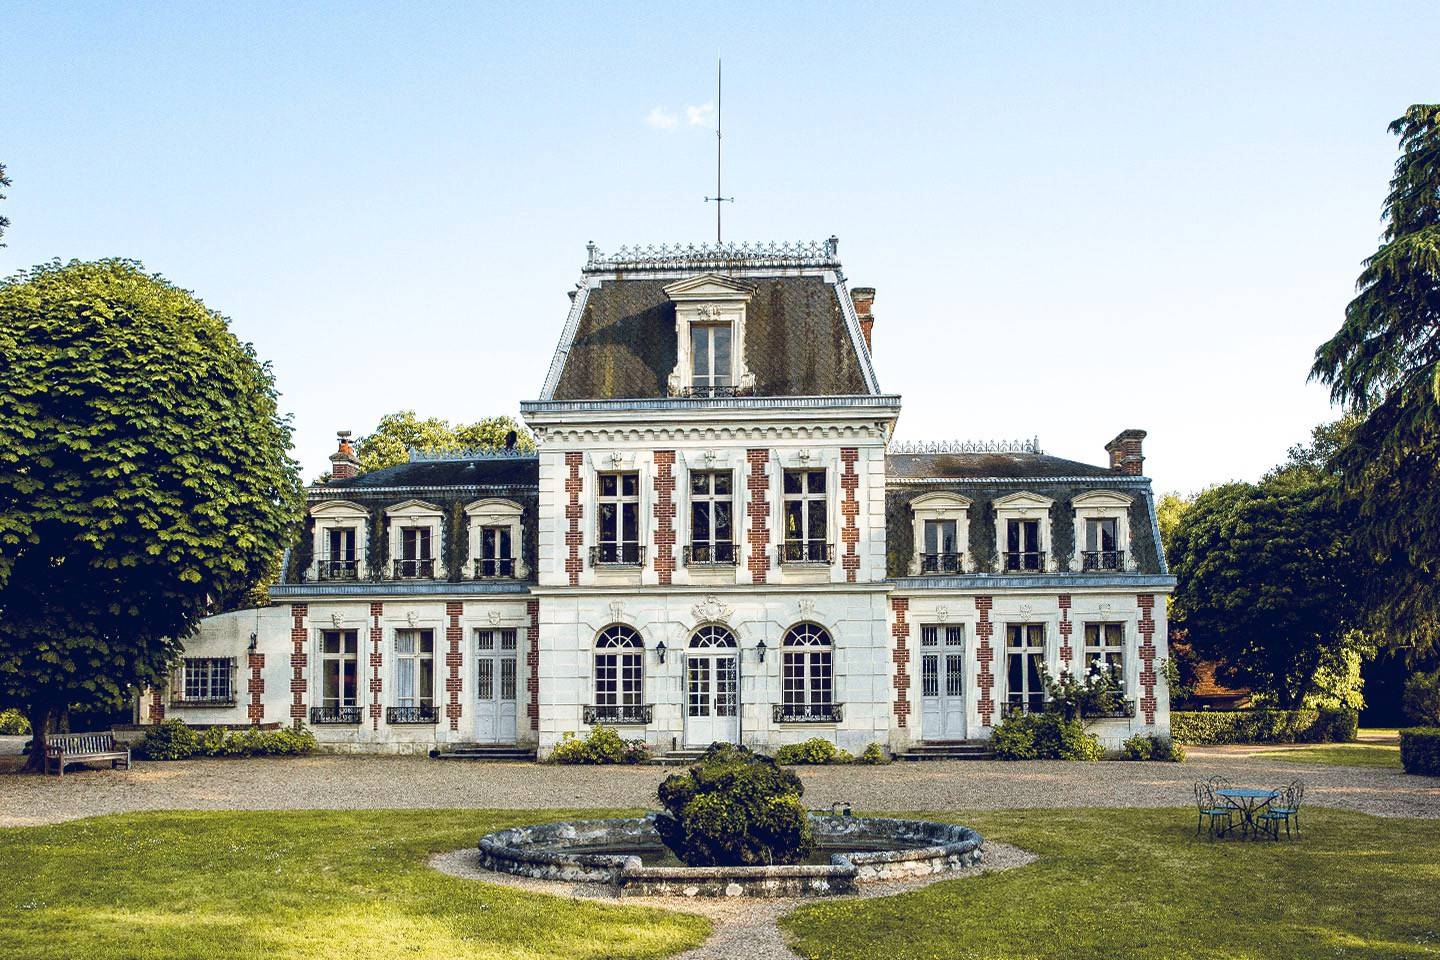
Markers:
point(1078, 218)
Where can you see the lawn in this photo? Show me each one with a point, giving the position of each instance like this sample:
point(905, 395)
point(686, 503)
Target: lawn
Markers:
point(1138, 884)
point(287, 886)
point(1340, 755)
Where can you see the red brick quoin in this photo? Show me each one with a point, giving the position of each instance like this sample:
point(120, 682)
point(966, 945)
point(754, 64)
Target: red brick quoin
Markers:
point(453, 634)
point(532, 661)
point(255, 712)
point(664, 515)
point(1146, 603)
point(849, 511)
point(377, 635)
point(1067, 652)
point(758, 483)
point(985, 655)
point(573, 513)
point(298, 661)
point(901, 632)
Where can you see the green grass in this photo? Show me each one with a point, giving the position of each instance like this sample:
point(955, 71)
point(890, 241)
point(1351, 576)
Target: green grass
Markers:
point(294, 886)
point(1339, 754)
point(1138, 884)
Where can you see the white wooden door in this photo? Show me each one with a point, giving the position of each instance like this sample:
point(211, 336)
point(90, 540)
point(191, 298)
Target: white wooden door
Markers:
point(712, 688)
point(496, 681)
point(942, 682)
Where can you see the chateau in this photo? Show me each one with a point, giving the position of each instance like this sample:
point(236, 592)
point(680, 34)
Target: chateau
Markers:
point(716, 540)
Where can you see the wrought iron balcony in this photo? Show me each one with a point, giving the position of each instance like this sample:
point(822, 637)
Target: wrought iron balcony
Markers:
point(421, 714)
point(807, 712)
point(1102, 560)
point(1123, 710)
point(1024, 560)
point(1021, 703)
point(941, 562)
point(222, 700)
point(712, 390)
point(806, 551)
point(337, 568)
point(711, 555)
point(319, 715)
point(618, 713)
point(415, 568)
point(494, 568)
point(617, 555)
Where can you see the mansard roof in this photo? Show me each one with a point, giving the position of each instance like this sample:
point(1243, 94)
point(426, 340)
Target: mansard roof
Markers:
point(802, 337)
point(497, 470)
point(989, 465)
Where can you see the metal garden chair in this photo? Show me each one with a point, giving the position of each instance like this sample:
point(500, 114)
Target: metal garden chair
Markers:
point(1284, 811)
point(1209, 808)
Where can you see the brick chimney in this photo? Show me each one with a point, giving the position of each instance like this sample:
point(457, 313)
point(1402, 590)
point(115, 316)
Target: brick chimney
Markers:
point(864, 299)
point(1126, 454)
point(343, 462)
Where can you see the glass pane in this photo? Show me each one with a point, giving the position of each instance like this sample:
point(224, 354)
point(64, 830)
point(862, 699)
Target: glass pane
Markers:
point(929, 636)
point(485, 679)
point(727, 704)
point(700, 520)
point(929, 675)
point(721, 368)
point(816, 481)
point(722, 521)
point(1032, 535)
point(699, 482)
point(932, 536)
point(817, 520)
point(954, 675)
point(630, 484)
point(405, 641)
point(630, 518)
point(1107, 535)
point(507, 639)
point(331, 681)
point(507, 678)
point(608, 484)
point(351, 684)
point(700, 354)
point(608, 526)
point(330, 642)
point(350, 642)
point(426, 688)
point(793, 523)
point(405, 683)
point(792, 481)
point(1012, 535)
point(485, 639)
point(722, 482)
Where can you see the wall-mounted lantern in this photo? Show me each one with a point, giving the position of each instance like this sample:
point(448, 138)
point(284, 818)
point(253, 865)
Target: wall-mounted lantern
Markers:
point(254, 642)
point(660, 650)
point(760, 648)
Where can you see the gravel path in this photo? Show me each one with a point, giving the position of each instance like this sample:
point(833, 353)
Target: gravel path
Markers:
point(744, 926)
point(362, 782)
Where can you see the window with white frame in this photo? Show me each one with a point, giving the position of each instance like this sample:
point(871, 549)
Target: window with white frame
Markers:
point(415, 540)
point(618, 518)
point(711, 373)
point(494, 538)
point(941, 553)
point(710, 337)
point(806, 517)
point(340, 672)
point(941, 529)
point(807, 682)
point(415, 669)
point(712, 517)
point(497, 557)
point(619, 670)
point(1102, 529)
point(495, 647)
point(1022, 532)
point(1105, 648)
point(339, 540)
point(207, 680)
point(1024, 667)
point(339, 561)
point(1022, 545)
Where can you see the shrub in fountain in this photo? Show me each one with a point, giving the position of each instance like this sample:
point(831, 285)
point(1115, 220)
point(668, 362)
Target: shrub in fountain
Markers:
point(735, 808)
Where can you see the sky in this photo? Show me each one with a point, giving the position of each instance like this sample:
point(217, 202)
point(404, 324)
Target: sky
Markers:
point(1078, 218)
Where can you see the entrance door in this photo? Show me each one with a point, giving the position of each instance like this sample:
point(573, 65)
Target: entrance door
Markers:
point(942, 682)
point(712, 688)
point(495, 683)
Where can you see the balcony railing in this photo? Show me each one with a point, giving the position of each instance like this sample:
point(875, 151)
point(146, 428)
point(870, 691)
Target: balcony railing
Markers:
point(1022, 703)
point(806, 551)
point(618, 713)
point(221, 700)
point(941, 562)
point(617, 555)
point(1024, 560)
point(713, 390)
point(420, 714)
point(807, 712)
point(319, 715)
point(415, 568)
point(1102, 560)
point(1123, 710)
point(711, 555)
point(494, 568)
point(337, 568)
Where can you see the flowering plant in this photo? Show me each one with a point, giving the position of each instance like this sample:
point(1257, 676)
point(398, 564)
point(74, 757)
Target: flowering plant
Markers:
point(1100, 691)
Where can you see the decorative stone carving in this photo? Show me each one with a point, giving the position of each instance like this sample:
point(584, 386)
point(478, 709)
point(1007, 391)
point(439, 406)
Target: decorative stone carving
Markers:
point(1106, 606)
point(942, 614)
point(336, 619)
point(711, 608)
point(1026, 609)
point(411, 617)
point(494, 617)
point(807, 606)
point(617, 609)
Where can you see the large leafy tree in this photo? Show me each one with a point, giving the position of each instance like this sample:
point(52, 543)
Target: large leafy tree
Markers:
point(1266, 573)
point(397, 433)
point(144, 481)
point(1383, 365)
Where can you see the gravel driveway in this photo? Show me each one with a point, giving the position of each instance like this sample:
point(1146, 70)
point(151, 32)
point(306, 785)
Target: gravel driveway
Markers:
point(359, 782)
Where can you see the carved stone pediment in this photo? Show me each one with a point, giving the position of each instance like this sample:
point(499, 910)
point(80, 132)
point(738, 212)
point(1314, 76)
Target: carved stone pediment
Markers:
point(712, 609)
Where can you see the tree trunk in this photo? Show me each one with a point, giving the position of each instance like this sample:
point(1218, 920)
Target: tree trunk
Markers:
point(39, 717)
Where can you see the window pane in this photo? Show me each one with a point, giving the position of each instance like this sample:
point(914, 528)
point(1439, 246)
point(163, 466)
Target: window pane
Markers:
point(700, 354)
point(700, 520)
point(722, 482)
point(816, 482)
point(1012, 535)
point(330, 642)
point(630, 484)
point(427, 681)
point(722, 521)
point(793, 481)
point(405, 641)
point(793, 523)
point(608, 527)
point(507, 639)
point(699, 482)
point(630, 518)
point(351, 684)
point(817, 520)
point(721, 367)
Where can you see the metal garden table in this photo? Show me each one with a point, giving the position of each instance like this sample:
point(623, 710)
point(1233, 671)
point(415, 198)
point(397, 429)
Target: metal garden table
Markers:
point(1248, 801)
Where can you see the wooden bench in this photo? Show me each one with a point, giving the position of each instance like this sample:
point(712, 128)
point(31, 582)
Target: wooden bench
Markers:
point(63, 748)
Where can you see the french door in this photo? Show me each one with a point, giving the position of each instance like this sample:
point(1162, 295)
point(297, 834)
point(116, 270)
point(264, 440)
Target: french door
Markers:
point(942, 682)
point(712, 688)
point(495, 686)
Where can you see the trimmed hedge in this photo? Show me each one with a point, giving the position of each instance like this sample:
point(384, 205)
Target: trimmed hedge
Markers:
point(173, 740)
point(602, 745)
point(1420, 750)
point(1044, 736)
point(1210, 727)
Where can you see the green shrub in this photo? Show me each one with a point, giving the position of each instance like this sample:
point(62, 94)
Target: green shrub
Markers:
point(1422, 699)
point(1166, 749)
point(1138, 747)
point(734, 808)
point(1044, 736)
point(13, 724)
point(875, 755)
point(1263, 726)
point(170, 740)
point(1420, 750)
point(602, 745)
point(816, 750)
point(1014, 737)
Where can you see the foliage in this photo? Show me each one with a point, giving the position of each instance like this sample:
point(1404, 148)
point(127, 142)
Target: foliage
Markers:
point(1178, 672)
point(1383, 365)
point(1422, 698)
point(1138, 885)
point(13, 724)
point(1144, 746)
point(874, 755)
point(1210, 727)
point(1420, 750)
point(169, 740)
point(4, 220)
point(1168, 511)
point(284, 884)
point(735, 808)
point(174, 740)
point(1099, 692)
point(1138, 747)
point(816, 750)
point(1382, 755)
point(1267, 576)
point(602, 745)
point(397, 433)
point(1043, 736)
point(144, 480)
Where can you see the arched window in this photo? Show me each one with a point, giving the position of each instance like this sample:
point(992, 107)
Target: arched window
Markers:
point(713, 635)
point(619, 675)
point(807, 681)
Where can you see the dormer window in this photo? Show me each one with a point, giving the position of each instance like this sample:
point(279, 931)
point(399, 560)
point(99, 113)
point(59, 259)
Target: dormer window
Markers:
point(941, 530)
point(1102, 530)
point(710, 337)
point(415, 541)
point(415, 558)
point(1022, 545)
point(339, 543)
point(1022, 533)
point(495, 539)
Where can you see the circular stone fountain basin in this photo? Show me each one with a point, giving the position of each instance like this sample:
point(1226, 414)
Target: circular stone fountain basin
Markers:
point(629, 855)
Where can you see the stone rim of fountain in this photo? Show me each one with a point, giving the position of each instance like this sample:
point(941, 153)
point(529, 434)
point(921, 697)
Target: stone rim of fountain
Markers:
point(922, 848)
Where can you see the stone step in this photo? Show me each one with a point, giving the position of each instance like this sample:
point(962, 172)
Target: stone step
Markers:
point(678, 758)
point(948, 750)
point(482, 751)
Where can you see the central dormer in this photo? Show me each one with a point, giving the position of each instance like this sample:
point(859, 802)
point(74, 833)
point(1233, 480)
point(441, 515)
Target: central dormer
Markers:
point(710, 337)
